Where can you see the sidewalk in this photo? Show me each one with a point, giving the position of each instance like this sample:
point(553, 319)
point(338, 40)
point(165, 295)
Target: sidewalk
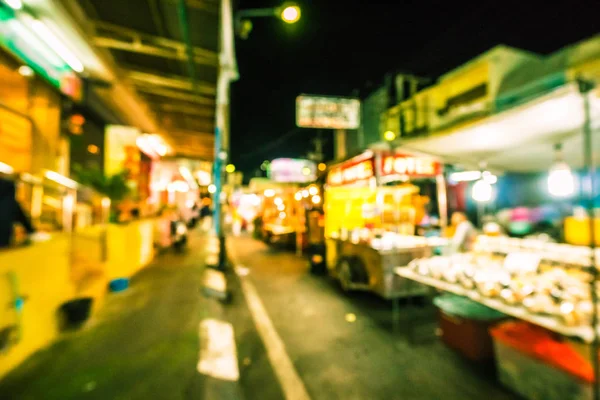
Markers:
point(143, 344)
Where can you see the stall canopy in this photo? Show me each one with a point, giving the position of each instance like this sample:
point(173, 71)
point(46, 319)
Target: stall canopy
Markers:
point(151, 42)
point(521, 139)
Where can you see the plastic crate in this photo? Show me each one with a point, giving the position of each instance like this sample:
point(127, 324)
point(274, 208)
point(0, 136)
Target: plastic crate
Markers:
point(465, 325)
point(536, 380)
point(469, 337)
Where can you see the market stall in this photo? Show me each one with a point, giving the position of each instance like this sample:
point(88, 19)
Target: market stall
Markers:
point(549, 288)
point(280, 217)
point(311, 233)
point(372, 208)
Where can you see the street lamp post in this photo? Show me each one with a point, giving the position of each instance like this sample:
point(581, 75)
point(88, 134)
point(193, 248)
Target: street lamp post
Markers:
point(288, 12)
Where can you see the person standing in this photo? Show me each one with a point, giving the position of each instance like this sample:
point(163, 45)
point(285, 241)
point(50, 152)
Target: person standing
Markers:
point(11, 213)
point(464, 233)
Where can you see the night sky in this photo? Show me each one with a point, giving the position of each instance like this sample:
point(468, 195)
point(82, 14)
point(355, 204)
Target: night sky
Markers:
point(341, 46)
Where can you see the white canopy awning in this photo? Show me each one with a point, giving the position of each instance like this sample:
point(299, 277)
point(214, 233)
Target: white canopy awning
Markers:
point(520, 139)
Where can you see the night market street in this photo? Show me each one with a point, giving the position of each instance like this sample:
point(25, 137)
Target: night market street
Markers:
point(341, 346)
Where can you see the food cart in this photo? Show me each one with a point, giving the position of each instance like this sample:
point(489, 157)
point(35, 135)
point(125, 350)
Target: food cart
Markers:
point(281, 219)
point(372, 207)
point(311, 234)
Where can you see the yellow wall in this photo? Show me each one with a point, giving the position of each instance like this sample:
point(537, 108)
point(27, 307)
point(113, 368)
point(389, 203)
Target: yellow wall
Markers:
point(420, 113)
point(43, 275)
point(52, 273)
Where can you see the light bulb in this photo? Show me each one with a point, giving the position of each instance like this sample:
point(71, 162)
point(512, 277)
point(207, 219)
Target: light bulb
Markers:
point(561, 182)
point(482, 191)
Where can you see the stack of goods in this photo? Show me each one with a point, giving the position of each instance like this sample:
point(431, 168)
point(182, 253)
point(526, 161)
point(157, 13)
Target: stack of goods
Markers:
point(552, 252)
point(549, 290)
point(532, 362)
point(391, 240)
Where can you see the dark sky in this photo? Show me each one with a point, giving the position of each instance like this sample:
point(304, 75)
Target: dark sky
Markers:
point(342, 45)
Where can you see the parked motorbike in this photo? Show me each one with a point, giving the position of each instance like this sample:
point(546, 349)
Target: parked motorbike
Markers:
point(179, 234)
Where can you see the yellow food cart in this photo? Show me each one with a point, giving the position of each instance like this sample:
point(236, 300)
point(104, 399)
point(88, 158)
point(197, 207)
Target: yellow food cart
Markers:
point(372, 207)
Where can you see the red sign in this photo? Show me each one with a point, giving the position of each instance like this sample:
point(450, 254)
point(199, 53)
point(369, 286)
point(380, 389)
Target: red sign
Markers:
point(358, 169)
point(411, 166)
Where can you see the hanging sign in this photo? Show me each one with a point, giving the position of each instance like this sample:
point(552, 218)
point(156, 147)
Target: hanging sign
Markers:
point(291, 170)
point(327, 112)
point(358, 169)
point(402, 165)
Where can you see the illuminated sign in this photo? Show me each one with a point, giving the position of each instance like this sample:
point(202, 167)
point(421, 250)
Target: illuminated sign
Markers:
point(352, 171)
point(290, 170)
point(19, 38)
point(327, 112)
point(410, 166)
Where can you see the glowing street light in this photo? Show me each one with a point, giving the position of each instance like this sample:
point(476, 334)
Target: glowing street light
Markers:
point(389, 136)
point(230, 168)
point(290, 13)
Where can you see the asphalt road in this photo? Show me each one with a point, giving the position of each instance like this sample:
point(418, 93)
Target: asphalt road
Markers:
point(144, 343)
point(339, 357)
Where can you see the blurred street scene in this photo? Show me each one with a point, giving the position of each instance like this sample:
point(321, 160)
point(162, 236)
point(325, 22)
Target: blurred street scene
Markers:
point(209, 199)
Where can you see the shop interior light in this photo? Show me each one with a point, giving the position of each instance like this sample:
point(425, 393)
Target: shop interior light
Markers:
point(282, 215)
point(93, 149)
point(561, 181)
point(230, 168)
point(322, 167)
point(298, 196)
point(316, 199)
point(482, 191)
point(465, 176)
point(56, 44)
point(489, 177)
point(189, 178)
point(313, 190)
point(26, 71)
point(269, 193)
point(179, 186)
point(212, 189)
point(61, 179)
point(281, 207)
point(306, 171)
point(305, 193)
point(278, 201)
point(38, 47)
point(6, 169)
point(14, 4)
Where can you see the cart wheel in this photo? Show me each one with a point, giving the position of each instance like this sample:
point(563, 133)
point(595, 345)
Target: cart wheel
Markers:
point(359, 272)
point(344, 274)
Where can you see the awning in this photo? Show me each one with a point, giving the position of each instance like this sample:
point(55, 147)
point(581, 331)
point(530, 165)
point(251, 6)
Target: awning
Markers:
point(520, 139)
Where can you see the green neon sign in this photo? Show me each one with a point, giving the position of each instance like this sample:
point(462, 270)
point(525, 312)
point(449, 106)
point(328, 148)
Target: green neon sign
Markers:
point(18, 38)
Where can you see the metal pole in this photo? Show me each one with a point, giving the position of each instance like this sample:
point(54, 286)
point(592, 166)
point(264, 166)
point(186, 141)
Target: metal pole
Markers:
point(442, 197)
point(588, 152)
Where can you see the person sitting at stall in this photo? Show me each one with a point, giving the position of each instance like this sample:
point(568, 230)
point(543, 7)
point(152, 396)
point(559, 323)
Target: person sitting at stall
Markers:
point(464, 233)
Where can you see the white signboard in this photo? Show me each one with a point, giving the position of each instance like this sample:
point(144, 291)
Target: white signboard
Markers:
point(327, 112)
point(290, 170)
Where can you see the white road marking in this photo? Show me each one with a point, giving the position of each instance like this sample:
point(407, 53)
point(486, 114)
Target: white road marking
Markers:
point(218, 355)
point(291, 384)
point(215, 280)
point(241, 270)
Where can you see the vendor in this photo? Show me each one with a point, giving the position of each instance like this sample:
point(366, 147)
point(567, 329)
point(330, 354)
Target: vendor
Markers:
point(464, 233)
